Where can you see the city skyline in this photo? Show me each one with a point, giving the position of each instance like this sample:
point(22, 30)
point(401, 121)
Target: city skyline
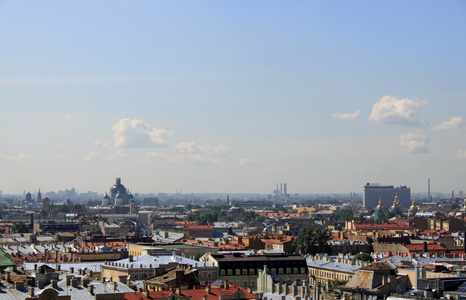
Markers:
point(225, 97)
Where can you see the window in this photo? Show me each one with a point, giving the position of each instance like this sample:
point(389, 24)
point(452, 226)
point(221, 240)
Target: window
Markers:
point(200, 275)
point(245, 272)
point(209, 275)
point(245, 283)
point(295, 270)
point(238, 272)
point(303, 271)
point(222, 273)
point(280, 271)
point(251, 271)
point(288, 270)
point(230, 272)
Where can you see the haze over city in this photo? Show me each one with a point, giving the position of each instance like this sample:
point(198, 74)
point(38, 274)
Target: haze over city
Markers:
point(217, 96)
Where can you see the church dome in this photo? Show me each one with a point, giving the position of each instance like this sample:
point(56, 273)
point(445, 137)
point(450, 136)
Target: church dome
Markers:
point(119, 196)
point(413, 206)
point(105, 196)
point(380, 205)
point(130, 196)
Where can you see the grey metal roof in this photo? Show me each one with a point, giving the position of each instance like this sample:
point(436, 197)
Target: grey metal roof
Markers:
point(332, 265)
point(94, 267)
point(78, 292)
point(154, 261)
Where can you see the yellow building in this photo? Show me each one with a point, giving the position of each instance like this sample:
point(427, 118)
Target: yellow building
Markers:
point(323, 268)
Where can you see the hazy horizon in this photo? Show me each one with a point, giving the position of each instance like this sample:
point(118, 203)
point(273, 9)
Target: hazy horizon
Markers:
point(232, 95)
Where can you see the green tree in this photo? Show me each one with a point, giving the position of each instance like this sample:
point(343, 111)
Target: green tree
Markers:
point(363, 256)
point(313, 241)
point(337, 283)
point(343, 215)
point(20, 227)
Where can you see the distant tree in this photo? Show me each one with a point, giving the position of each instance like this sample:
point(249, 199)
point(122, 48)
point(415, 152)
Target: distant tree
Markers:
point(363, 256)
point(20, 227)
point(360, 218)
point(313, 241)
point(455, 206)
point(337, 283)
point(343, 215)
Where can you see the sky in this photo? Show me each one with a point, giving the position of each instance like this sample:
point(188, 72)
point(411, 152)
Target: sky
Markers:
point(232, 96)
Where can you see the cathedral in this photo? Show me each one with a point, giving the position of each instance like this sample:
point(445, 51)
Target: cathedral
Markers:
point(118, 195)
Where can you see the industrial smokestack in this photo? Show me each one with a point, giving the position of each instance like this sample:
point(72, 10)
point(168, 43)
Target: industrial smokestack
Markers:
point(281, 188)
point(428, 189)
point(285, 189)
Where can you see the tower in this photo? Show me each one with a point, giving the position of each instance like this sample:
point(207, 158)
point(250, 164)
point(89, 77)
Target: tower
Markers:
point(39, 197)
point(378, 211)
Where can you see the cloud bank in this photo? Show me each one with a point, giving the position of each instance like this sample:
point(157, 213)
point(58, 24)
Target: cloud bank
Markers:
point(392, 110)
point(455, 123)
point(414, 142)
point(347, 117)
point(247, 162)
point(138, 134)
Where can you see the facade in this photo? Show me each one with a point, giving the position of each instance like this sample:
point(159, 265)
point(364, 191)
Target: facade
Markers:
point(374, 192)
point(242, 268)
point(324, 269)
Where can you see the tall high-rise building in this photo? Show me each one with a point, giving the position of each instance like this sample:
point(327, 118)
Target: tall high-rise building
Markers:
point(386, 193)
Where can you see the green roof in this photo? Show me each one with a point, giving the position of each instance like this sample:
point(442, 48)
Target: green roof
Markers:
point(5, 260)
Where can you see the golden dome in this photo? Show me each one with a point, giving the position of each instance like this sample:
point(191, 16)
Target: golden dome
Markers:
point(380, 204)
point(413, 206)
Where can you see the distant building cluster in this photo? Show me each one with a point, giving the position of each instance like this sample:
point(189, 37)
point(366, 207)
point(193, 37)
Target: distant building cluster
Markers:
point(373, 192)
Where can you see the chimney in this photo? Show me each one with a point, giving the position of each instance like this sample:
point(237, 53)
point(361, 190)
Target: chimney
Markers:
point(425, 247)
point(86, 282)
point(130, 258)
point(226, 285)
point(102, 279)
point(75, 282)
point(41, 284)
point(71, 270)
point(68, 279)
point(90, 289)
point(31, 292)
point(19, 285)
point(55, 284)
point(207, 289)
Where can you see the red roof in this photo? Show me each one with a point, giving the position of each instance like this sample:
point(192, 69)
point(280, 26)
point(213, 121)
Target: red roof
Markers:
point(198, 227)
point(195, 294)
point(420, 247)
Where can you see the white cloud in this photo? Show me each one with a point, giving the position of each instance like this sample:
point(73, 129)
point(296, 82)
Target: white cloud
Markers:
point(92, 156)
point(347, 117)
point(455, 123)
point(169, 158)
point(247, 162)
point(395, 111)
point(138, 134)
point(101, 144)
point(461, 154)
point(221, 149)
point(68, 117)
point(414, 142)
point(186, 147)
point(202, 160)
point(119, 155)
point(15, 158)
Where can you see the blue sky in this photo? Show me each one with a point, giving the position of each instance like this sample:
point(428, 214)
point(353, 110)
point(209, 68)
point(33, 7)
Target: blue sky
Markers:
point(232, 96)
